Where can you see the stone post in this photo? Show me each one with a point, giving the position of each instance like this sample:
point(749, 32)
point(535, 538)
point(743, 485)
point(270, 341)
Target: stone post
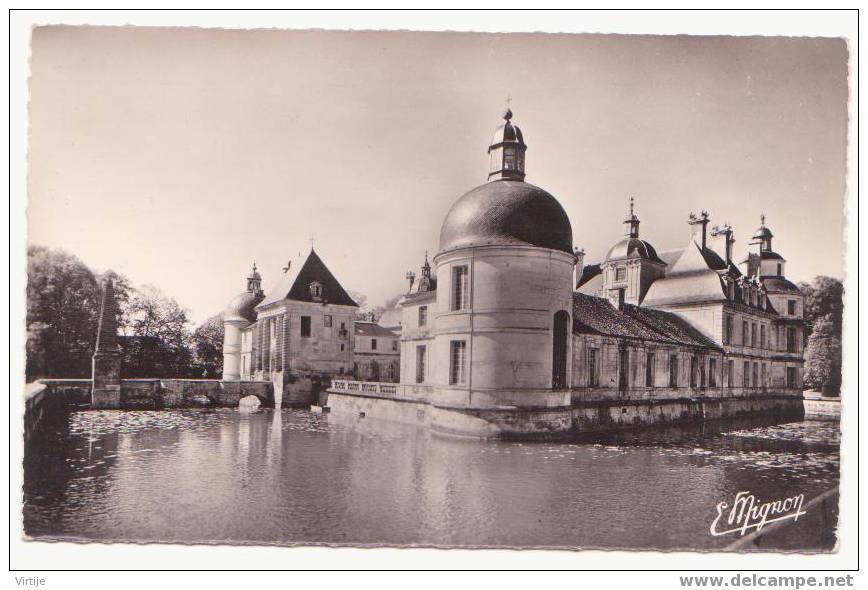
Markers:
point(106, 392)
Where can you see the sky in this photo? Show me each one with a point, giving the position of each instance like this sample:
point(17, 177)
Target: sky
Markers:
point(178, 156)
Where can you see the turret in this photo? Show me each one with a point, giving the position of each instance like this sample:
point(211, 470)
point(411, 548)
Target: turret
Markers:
point(506, 151)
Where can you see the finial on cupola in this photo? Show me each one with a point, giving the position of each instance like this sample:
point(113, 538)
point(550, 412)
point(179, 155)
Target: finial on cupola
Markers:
point(632, 221)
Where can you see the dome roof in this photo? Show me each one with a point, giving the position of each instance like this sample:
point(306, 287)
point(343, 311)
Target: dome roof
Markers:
point(762, 233)
point(507, 212)
point(779, 285)
point(633, 248)
point(242, 307)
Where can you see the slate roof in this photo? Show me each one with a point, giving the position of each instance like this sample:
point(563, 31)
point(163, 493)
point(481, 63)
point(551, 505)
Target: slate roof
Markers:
point(373, 329)
point(779, 285)
point(594, 315)
point(589, 272)
point(295, 285)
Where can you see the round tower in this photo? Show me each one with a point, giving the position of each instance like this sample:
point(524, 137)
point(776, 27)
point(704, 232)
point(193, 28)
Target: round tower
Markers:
point(504, 299)
point(239, 314)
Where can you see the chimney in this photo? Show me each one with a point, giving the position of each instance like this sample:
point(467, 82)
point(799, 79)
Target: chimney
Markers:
point(727, 234)
point(698, 224)
point(580, 263)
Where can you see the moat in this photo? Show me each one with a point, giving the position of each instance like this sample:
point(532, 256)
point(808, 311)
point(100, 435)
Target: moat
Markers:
point(288, 477)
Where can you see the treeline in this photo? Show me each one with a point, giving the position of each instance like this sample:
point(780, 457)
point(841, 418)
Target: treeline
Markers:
point(157, 338)
point(824, 311)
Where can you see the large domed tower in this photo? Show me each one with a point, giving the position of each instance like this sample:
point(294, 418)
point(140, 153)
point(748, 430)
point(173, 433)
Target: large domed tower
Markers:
point(239, 314)
point(503, 325)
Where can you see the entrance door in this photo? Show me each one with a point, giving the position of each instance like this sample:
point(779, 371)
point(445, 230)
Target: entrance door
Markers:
point(560, 333)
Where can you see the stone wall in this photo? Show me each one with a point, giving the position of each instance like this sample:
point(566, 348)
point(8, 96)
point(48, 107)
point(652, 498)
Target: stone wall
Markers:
point(590, 414)
point(51, 395)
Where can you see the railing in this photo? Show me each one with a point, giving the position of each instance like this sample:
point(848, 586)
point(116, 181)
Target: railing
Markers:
point(364, 386)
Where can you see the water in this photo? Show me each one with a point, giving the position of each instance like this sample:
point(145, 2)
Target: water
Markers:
point(290, 477)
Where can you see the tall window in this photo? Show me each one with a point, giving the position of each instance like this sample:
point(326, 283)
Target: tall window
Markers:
point(791, 340)
point(593, 371)
point(305, 326)
point(791, 307)
point(763, 375)
point(623, 368)
point(649, 369)
point(762, 336)
point(755, 375)
point(712, 372)
point(620, 273)
point(753, 335)
point(327, 321)
point(744, 333)
point(673, 371)
point(460, 288)
point(420, 364)
point(693, 365)
point(727, 329)
point(746, 374)
point(730, 373)
point(457, 362)
point(791, 377)
point(373, 344)
point(423, 315)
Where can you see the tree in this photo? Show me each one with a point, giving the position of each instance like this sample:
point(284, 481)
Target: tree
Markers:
point(823, 357)
point(157, 339)
point(824, 297)
point(63, 298)
point(208, 347)
point(824, 309)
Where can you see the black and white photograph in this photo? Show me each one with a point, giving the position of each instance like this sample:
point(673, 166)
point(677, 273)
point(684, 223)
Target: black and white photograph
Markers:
point(314, 287)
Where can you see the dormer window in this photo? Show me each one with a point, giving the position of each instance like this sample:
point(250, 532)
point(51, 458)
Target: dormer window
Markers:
point(316, 291)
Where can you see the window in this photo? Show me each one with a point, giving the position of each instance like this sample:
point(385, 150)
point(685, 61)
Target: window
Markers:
point(315, 291)
point(593, 371)
point(753, 335)
point(420, 364)
point(791, 307)
point(373, 344)
point(712, 372)
point(792, 378)
point(744, 333)
point(423, 315)
point(746, 374)
point(673, 370)
point(623, 367)
point(763, 375)
point(620, 273)
point(343, 346)
point(693, 365)
point(791, 340)
point(457, 358)
point(460, 288)
point(394, 346)
point(779, 269)
point(649, 369)
point(327, 321)
point(727, 330)
point(755, 375)
point(730, 373)
point(732, 291)
point(762, 336)
point(305, 326)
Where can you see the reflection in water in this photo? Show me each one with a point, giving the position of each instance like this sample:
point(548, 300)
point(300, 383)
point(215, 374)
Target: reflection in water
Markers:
point(294, 477)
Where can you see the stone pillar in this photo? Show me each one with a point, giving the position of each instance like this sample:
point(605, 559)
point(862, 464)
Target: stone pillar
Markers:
point(106, 392)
